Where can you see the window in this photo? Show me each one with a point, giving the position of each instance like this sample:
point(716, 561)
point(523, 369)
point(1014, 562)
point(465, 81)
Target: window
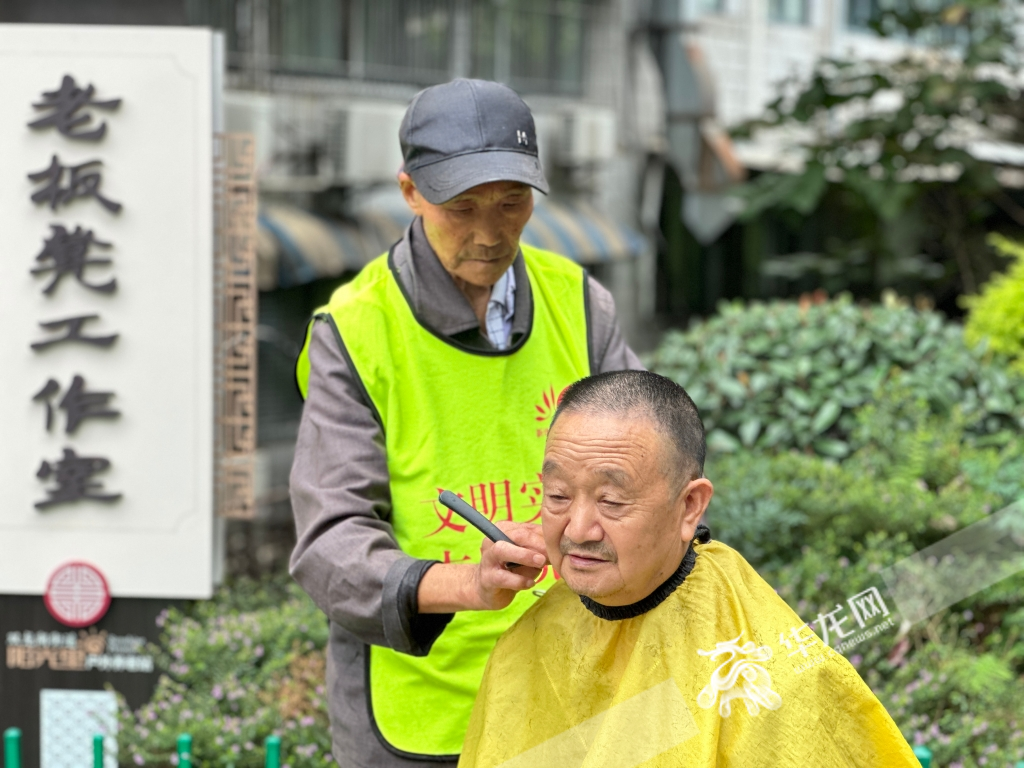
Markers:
point(409, 40)
point(708, 7)
point(788, 11)
point(232, 17)
point(308, 35)
point(535, 46)
point(859, 13)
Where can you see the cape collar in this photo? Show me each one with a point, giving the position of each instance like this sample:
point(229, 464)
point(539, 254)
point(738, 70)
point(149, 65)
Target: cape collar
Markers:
point(658, 596)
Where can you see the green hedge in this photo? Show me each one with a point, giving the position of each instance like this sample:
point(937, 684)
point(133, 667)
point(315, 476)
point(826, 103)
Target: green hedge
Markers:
point(785, 374)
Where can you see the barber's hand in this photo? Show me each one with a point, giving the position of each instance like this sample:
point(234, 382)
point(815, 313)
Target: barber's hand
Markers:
point(497, 585)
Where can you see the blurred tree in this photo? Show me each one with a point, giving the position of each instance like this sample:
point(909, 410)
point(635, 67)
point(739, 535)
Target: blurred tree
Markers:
point(902, 158)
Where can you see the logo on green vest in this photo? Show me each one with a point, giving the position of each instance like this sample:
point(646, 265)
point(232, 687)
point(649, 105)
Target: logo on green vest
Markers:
point(546, 409)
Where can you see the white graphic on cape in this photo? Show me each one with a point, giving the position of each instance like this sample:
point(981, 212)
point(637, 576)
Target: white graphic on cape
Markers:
point(739, 678)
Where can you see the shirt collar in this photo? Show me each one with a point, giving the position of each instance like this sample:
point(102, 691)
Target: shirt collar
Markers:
point(434, 297)
point(659, 595)
point(503, 293)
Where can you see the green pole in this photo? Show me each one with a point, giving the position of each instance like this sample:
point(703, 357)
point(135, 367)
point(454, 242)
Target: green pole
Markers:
point(97, 751)
point(12, 748)
point(273, 759)
point(185, 751)
point(922, 753)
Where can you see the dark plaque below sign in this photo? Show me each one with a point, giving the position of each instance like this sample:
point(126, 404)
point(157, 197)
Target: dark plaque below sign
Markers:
point(41, 653)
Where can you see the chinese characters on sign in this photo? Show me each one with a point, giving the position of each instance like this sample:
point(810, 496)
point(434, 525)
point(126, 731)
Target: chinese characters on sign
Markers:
point(77, 403)
point(80, 183)
point(74, 333)
point(64, 103)
point(77, 652)
point(122, 200)
point(68, 252)
point(235, 263)
point(73, 475)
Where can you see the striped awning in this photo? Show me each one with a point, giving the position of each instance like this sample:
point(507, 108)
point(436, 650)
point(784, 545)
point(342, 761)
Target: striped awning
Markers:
point(296, 247)
point(581, 232)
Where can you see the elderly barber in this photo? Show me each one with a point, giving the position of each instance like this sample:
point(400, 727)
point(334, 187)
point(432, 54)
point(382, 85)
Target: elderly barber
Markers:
point(660, 647)
point(438, 366)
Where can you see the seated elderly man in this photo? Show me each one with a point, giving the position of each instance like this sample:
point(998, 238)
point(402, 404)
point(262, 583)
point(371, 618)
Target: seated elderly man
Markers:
point(659, 647)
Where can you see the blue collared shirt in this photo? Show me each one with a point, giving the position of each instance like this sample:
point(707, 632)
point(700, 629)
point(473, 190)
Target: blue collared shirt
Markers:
point(500, 309)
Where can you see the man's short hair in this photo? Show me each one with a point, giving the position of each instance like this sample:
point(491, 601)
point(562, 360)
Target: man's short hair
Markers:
point(624, 393)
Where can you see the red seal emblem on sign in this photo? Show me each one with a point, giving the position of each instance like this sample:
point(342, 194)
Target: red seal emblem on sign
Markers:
point(77, 595)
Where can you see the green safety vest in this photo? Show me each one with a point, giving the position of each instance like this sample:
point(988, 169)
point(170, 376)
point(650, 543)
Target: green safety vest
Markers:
point(471, 421)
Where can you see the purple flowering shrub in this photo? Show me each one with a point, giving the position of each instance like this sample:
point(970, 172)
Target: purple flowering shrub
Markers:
point(238, 668)
point(955, 684)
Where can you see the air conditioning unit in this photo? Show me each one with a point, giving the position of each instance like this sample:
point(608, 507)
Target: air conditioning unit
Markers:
point(549, 127)
point(588, 136)
point(252, 113)
point(363, 141)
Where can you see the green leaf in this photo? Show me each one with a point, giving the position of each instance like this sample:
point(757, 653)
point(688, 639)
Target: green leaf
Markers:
point(777, 432)
point(731, 388)
point(798, 398)
point(722, 442)
point(759, 382)
point(749, 430)
point(826, 416)
point(807, 192)
point(837, 449)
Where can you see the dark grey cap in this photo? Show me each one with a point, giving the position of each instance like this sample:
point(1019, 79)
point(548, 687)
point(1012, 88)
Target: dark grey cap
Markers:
point(468, 132)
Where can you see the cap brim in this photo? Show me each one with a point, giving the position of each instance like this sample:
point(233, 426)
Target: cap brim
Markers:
point(440, 182)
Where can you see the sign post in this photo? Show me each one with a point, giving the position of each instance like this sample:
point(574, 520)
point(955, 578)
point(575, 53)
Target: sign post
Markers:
point(109, 405)
point(12, 748)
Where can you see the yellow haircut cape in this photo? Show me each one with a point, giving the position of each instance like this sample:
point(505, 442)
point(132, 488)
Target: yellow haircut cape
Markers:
point(716, 675)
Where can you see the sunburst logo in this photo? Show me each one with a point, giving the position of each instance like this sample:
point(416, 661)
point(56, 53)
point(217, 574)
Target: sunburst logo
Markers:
point(546, 408)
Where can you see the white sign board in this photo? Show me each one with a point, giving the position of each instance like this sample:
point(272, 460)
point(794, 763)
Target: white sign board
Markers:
point(106, 425)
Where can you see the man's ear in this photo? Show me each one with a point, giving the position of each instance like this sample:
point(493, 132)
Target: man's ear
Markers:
point(412, 196)
point(694, 499)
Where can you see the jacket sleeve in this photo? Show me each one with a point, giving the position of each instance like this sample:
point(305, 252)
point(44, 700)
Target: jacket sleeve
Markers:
point(610, 350)
point(346, 557)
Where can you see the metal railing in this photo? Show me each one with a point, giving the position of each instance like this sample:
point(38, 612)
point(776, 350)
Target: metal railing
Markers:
point(12, 750)
point(272, 751)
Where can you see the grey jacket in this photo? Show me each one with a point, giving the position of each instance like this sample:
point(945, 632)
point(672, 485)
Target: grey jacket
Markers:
point(346, 557)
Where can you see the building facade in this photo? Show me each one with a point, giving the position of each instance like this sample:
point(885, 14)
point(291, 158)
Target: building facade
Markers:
point(324, 84)
point(751, 46)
